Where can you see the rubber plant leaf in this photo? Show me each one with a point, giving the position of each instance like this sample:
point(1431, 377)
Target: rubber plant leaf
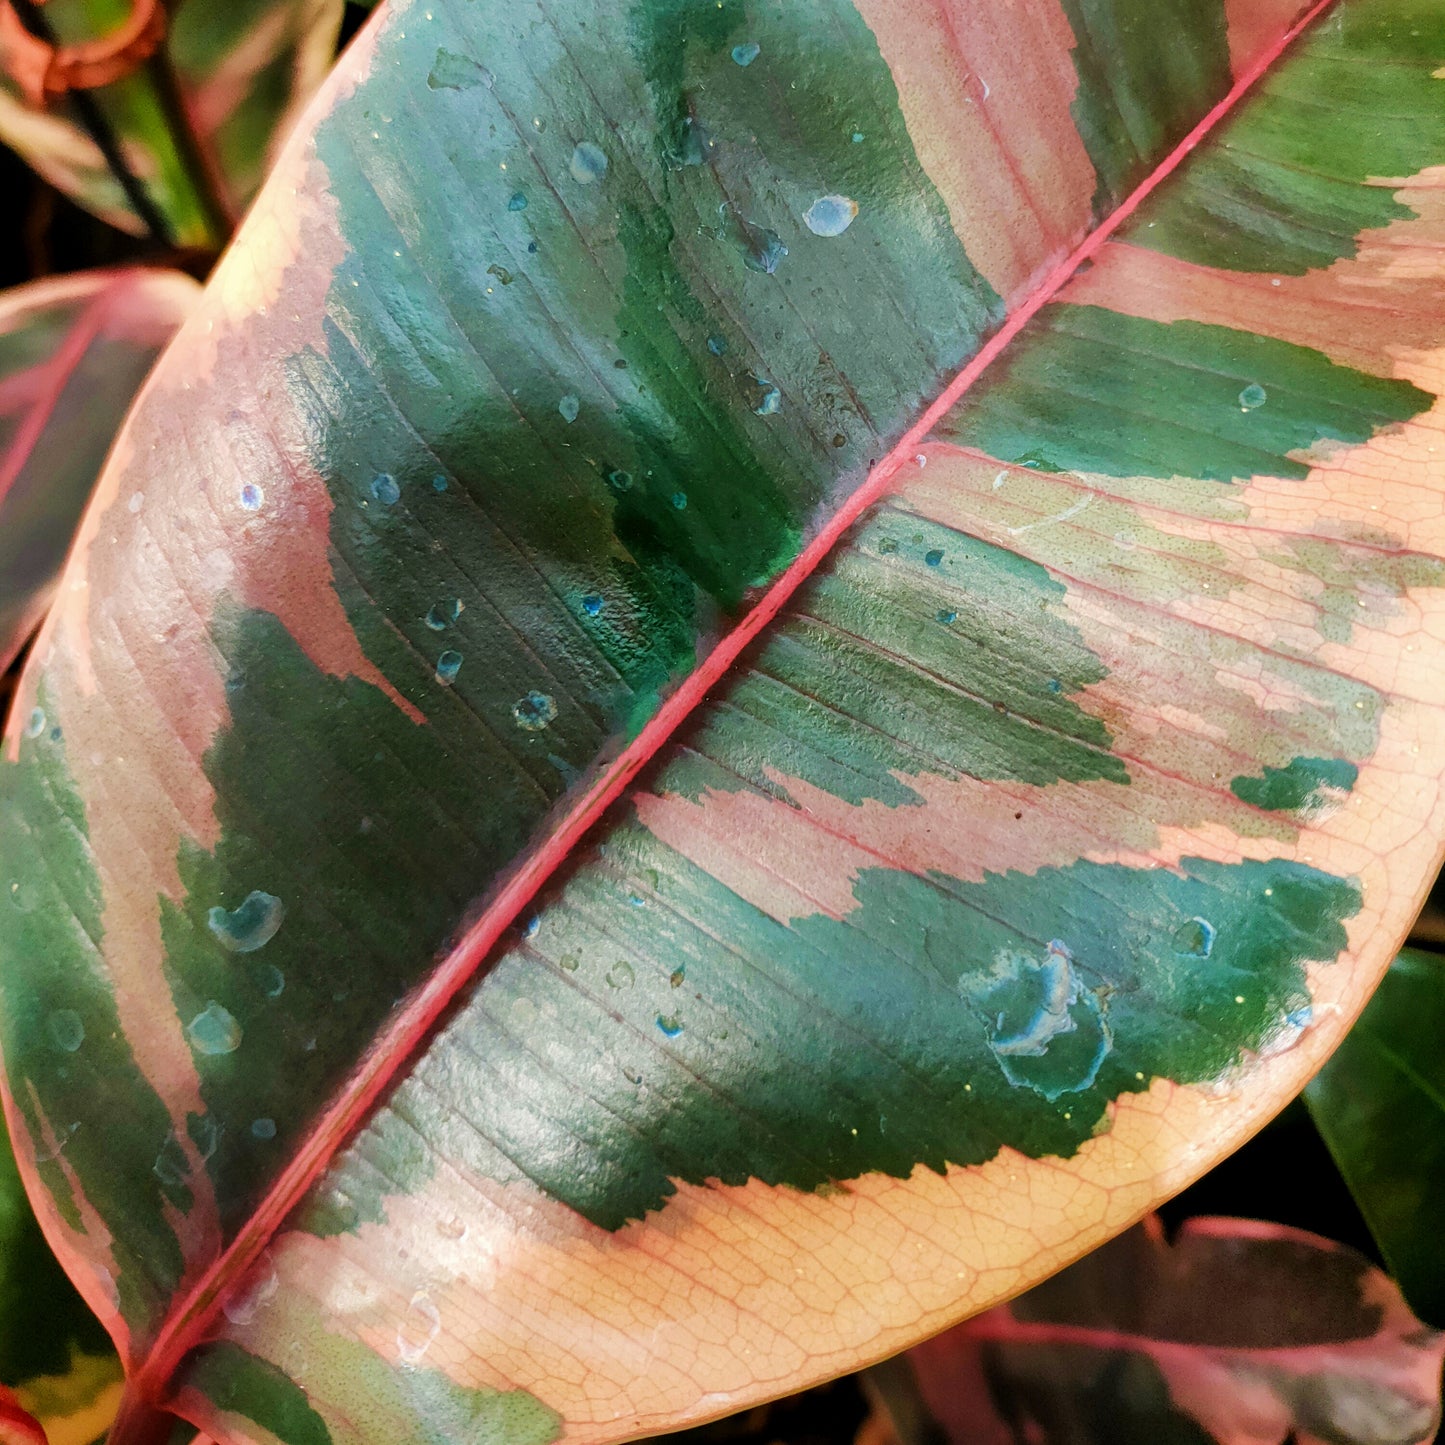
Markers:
point(1380, 1103)
point(1239, 1332)
point(73, 351)
point(57, 1367)
point(196, 126)
point(755, 671)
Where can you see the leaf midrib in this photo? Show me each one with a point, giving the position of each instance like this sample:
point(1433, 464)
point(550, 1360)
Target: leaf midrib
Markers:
point(189, 1320)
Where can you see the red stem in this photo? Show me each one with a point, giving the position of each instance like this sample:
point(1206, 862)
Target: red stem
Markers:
point(384, 1060)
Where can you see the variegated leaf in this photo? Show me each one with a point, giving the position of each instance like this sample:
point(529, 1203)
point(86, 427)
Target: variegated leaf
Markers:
point(911, 532)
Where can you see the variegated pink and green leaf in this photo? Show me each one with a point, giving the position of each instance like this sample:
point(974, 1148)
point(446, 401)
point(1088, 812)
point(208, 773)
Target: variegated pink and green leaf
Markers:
point(58, 1371)
point(1237, 1332)
point(241, 69)
point(756, 671)
point(73, 351)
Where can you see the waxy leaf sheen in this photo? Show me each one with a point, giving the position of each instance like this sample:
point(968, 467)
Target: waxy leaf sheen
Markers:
point(757, 669)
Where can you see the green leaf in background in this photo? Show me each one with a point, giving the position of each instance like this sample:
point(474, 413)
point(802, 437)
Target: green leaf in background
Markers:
point(236, 71)
point(1236, 1333)
point(73, 352)
point(1380, 1104)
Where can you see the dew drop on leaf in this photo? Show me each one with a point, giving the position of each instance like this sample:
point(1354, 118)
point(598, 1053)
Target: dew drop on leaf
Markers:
point(271, 981)
point(933, 558)
point(256, 1291)
point(421, 1325)
point(717, 345)
point(1254, 395)
point(66, 1030)
point(249, 927)
point(589, 163)
point(214, 1030)
point(35, 723)
point(448, 665)
point(385, 489)
point(670, 1025)
point(534, 712)
point(620, 975)
point(443, 614)
point(771, 402)
point(592, 604)
point(251, 497)
point(830, 215)
point(1195, 937)
point(746, 53)
point(570, 408)
point(263, 1128)
point(517, 201)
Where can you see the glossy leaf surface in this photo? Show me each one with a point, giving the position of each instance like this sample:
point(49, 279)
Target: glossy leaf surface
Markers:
point(73, 352)
point(1380, 1104)
point(240, 68)
point(1238, 1333)
point(1075, 777)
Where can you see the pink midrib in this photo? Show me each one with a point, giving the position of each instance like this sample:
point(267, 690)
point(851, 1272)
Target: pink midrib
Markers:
point(188, 1323)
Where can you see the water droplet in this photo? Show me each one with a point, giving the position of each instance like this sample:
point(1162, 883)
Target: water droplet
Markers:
point(670, 1025)
point(830, 215)
point(764, 249)
point(444, 614)
point(592, 604)
point(270, 980)
point(772, 399)
point(257, 1290)
point(66, 1029)
point(534, 712)
point(676, 977)
point(1054, 685)
point(717, 345)
point(252, 496)
point(423, 1323)
point(516, 201)
point(679, 500)
point(570, 408)
point(620, 975)
point(857, 137)
point(636, 901)
point(204, 1134)
point(947, 616)
point(448, 665)
point(746, 53)
point(170, 1165)
point(385, 489)
point(1195, 936)
point(438, 483)
point(531, 926)
point(887, 546)
point(263, 1128)
point(35, 723)
point(620, 481)
point(214, 1031)
point(452, 1228)
point(589, 163)
point(251, 926)
point(501, 273)
point(933, 558)
point(1254, 395)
